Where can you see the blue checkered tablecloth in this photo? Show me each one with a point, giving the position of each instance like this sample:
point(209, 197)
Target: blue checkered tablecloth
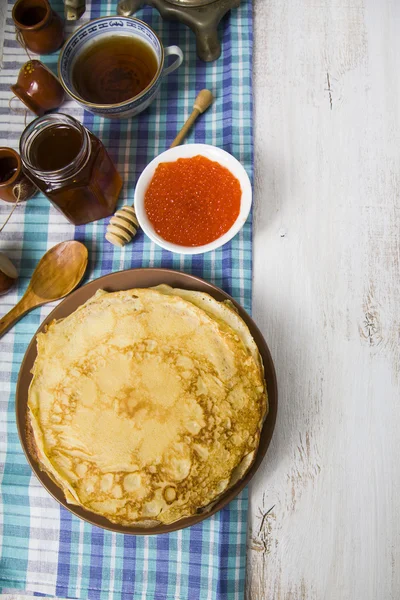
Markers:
point(44, 549)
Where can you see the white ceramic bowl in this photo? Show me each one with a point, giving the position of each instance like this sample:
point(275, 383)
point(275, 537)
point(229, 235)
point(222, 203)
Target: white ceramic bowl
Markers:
point(187, 151)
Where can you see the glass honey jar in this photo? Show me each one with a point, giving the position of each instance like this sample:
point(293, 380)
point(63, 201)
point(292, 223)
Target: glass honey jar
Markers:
point(70, 165)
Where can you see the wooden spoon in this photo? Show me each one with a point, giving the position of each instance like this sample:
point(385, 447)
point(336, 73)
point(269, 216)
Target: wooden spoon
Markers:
point(58, 272)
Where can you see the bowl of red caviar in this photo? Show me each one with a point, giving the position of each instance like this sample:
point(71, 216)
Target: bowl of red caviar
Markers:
point(193, 198)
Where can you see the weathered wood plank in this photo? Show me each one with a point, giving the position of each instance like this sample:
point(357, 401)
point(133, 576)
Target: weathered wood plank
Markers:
point(326, 295)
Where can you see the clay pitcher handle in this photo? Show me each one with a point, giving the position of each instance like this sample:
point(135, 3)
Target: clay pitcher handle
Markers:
point(172, 51)
point(14, 315)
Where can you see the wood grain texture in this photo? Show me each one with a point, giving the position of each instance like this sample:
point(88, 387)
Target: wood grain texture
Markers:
point(325, 509)
point(326, 295)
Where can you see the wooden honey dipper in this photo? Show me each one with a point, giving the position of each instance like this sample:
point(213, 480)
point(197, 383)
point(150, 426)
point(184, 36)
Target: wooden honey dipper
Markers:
point(124, 225)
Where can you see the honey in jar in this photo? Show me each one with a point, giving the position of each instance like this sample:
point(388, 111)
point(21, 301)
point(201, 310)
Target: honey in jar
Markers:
point(70, 165)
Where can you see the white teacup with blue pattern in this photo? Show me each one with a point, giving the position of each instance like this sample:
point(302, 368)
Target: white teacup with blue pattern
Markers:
point(109, 26)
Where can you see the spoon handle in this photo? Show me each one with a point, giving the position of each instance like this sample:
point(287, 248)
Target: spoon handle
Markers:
point(202, 102)
point(14, 315)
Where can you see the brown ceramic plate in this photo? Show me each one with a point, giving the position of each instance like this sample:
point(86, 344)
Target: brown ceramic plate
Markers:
point(125, 280)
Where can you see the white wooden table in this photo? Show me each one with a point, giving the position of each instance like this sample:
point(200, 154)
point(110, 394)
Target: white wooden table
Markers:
point(327, 298)
point(325, 522)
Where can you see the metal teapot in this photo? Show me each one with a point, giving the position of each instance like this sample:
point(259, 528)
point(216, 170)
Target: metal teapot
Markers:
point(202, 16)
point(74, 9)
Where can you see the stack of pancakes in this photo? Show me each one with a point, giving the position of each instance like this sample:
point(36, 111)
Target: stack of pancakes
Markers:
point(146, 405)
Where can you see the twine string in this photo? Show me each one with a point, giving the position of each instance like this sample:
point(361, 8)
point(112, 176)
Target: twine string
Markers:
point(20, 39)
point(18, 191)
point(17, 111)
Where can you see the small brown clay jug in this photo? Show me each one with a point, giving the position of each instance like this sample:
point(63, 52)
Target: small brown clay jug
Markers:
point(41, 28)
point(38, 88)
point(14, 185)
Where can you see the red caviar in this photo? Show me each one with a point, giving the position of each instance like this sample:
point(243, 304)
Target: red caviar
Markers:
point(192, 201)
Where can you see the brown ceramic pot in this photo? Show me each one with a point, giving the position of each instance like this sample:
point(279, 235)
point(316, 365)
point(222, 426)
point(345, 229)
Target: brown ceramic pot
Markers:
point(13, 182)
point(41, 28)
point(38, 88)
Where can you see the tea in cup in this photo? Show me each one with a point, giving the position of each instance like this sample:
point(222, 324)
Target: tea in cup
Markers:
point(113, 67)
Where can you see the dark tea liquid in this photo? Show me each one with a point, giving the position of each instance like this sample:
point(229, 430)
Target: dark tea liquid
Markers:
point(8, 168)
point(114, 69)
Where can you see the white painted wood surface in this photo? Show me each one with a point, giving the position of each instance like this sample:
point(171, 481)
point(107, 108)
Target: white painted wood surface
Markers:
point(326, 296)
